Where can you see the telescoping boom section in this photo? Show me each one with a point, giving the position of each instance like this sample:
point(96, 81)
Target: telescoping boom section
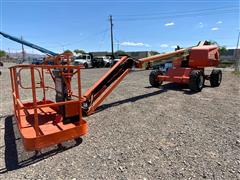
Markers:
point(166, 57)
point(52, 57)
point(104, 86)
point(26, 43)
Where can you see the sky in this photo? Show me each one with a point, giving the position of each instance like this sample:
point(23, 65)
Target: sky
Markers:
point(138, 25)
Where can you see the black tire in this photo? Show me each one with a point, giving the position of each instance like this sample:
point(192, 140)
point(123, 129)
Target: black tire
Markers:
point(85, 65)
point(153, 78)
point(215, 77)
point(196, 80)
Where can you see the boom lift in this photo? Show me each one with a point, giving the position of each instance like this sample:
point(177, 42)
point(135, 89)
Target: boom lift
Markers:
point(188, 66)
point(45, 122)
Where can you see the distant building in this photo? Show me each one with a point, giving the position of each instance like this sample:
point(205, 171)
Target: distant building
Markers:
point(141, 54)
point(230, 55)
point(133, 54)
point(100, 53)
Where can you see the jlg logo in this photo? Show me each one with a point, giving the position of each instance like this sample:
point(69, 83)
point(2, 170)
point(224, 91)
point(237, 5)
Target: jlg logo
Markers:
point(212, 56)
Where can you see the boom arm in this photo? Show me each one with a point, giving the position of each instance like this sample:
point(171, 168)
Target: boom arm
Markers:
point(162, 57)
point(43, 50)
point(103, 87)
point(169, 56)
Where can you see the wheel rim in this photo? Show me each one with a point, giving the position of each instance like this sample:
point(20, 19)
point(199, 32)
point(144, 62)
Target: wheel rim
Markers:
point(219, 78)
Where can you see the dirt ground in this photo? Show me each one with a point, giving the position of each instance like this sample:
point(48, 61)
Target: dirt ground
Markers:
point(139, 132)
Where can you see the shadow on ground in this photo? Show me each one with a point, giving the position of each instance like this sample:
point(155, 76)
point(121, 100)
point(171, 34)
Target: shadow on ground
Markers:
point(164, 88)
point(15, 155)
point(132, 99)
point(176, 87)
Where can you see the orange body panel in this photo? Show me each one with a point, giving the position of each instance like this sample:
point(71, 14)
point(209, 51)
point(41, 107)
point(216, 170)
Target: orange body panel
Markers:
point(177, 75)
point(204, 56)
point(72, 109)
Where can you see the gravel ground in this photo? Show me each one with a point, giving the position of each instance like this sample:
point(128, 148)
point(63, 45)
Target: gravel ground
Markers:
point(139, 132)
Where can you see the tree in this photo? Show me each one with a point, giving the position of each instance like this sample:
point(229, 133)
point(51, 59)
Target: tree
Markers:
point(222, 49)
point(2, 53)
point(212, 42)
point(67, 51)
point(154, 53)
point(79, 51)
point(120, 53)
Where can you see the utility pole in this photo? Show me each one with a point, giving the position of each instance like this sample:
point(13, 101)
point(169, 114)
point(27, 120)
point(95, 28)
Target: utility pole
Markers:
point(237, 59)
point(111, 26)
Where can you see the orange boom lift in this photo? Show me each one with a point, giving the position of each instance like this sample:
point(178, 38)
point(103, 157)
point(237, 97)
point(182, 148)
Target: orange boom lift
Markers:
point(45, 122)
point(188, 66)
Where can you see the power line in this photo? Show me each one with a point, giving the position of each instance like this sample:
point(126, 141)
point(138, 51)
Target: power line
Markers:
point(87, 37)
point(81, 40)
point(180, 15)
point(175, 16)
point(116, 1)
point(103, 39)
point(171, 12)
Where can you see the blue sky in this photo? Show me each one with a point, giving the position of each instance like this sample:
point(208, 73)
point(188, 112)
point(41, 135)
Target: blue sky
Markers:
point(138, 24)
